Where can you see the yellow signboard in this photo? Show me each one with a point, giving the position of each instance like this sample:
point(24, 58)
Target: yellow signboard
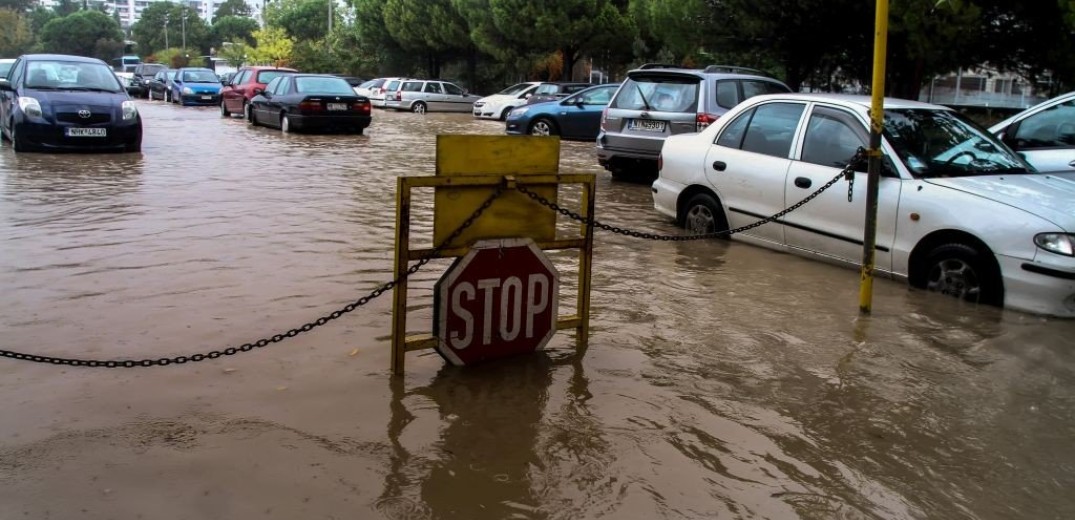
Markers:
point(512, 214)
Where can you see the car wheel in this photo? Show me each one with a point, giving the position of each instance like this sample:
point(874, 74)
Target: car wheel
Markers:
point(246, 110)
point(418, 107)
point(285, 124)
point(18, 144)
point(167, 96)
point(543, 126)
point(504, 114)
point(224, 109)
point(703, 214)
point(251, 118)
point(964, 272)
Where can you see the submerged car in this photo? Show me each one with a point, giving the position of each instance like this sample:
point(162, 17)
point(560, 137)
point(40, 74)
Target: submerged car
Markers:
point(160, 86)
point(1043, 134)
point(58, 102)
point(298, 102)
point(421, 96)
point(959, 212)
point(236, 94)
point(195, 86)
point(577, 116)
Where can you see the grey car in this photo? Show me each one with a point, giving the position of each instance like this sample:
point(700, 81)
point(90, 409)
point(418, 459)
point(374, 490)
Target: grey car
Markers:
point(657, 101)
point(421, 96)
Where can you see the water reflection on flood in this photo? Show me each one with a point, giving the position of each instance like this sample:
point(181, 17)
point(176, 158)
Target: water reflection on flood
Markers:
point(722, 380)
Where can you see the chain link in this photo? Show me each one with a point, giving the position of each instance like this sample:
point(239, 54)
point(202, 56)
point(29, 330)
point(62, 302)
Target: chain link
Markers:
point(264, 342)
point(847, 173)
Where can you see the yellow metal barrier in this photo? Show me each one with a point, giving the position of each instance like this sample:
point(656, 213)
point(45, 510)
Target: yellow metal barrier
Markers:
point(469, 169)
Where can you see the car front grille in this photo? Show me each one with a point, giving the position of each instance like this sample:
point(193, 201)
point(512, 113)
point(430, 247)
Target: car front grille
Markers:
point(73, 117)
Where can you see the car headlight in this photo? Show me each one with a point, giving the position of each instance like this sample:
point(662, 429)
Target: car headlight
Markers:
point(30, 106)
point(188, 91)
point(129, 110)
point(1059, 243)
point(517, 112)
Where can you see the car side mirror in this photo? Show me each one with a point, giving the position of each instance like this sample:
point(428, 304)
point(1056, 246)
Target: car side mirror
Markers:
point(5, 85)
point(259, 91)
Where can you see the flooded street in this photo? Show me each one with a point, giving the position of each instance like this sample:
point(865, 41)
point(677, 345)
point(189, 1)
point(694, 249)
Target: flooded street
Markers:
point(722, 380)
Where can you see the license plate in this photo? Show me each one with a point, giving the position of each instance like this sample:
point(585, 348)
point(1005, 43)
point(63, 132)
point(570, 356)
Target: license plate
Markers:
point(207, 97)
point(86, 132)
point(646, 125)
point(337, 106)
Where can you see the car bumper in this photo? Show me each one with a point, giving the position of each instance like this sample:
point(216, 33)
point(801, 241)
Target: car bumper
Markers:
point(666, 197)
point(1039, 287)
point(398, 105)
point(516, 126)
point(200, 99)
point(333, 122)
point(52, 137)
point(136, 90)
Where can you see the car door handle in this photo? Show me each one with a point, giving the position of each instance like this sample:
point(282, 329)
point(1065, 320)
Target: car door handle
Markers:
point(719, 165)
point(1072, 164)
point(803, 182)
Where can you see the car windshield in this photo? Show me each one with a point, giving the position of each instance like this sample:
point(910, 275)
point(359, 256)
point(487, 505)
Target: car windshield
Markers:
point(266, 76)
point(660, 93)
point(312, 85)
point(69, 75)
point(515, 89)
point(593, 96)
point(149, 70)
point(199, 76)
point(5, 67)
point(941, 143)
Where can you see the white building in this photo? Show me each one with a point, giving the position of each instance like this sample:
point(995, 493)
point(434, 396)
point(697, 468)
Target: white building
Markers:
point(130, 11)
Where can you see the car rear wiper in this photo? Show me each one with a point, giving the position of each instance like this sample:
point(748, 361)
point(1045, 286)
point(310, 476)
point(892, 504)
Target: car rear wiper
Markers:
point(643, 96)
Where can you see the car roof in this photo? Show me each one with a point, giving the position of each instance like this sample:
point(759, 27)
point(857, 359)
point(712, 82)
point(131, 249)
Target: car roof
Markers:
point(259, 68)
point(59, 57)
point(311, 75)
point(853, 100)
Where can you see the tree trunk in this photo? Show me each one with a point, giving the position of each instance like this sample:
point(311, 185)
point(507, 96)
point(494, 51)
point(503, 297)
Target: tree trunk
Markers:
point(570, 55)
point(472, 68)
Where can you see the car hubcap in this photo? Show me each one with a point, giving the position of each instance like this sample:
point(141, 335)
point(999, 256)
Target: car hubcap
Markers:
point(540, 128)
point(954, 278)
point(419, 109)
point(700, 220)
point(285, 125)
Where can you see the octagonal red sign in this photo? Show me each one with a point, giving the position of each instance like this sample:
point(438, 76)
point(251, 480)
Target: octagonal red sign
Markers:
point(497, 301)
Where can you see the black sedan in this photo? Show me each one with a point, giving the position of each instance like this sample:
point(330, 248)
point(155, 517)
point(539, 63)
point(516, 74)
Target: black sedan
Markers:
point(60, 102)
point(310, 102)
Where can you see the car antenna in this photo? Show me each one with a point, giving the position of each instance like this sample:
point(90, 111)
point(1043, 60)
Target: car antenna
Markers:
point(644, 101)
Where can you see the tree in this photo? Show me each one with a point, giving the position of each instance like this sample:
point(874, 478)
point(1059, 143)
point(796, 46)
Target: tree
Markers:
point(19, 6)
point(232, 8)
point(232, 29)
point(150, 30)
point(85, 33)
point(15, 35)
point(66, 7)
point(302, 19)
point(273, 46)
point(39, 17)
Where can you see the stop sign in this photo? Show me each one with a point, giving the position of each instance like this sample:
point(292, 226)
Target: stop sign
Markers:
point(499, 300)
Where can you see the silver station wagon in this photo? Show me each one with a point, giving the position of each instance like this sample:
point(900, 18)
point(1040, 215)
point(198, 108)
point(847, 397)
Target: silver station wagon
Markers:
point(421, 96)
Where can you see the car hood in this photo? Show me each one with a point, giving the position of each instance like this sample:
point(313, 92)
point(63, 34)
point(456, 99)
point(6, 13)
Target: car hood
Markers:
point(82, 98)
point(1048, 196)
point(201, 87)
point(499, 98)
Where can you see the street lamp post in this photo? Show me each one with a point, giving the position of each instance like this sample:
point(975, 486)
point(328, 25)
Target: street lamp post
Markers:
point(165, 31)
point(184, 31)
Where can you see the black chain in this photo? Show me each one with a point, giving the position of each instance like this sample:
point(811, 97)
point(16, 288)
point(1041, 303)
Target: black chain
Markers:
point(264, 342)
point(847, 173)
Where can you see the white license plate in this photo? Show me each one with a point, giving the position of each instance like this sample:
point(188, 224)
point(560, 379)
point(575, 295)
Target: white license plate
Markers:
point(337, 106)
point(646, 125)
point(86, 132)
point(207, 97)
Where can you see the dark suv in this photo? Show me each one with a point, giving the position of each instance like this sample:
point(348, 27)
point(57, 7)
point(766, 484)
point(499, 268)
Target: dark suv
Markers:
point(143, 72)
point(656, 101)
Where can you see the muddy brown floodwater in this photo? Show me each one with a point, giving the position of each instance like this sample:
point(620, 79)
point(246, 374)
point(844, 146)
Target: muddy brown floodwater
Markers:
point(722, 380)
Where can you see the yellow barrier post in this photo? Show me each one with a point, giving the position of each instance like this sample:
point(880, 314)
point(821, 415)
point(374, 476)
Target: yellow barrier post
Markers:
point(877, 119)
point(469, 169)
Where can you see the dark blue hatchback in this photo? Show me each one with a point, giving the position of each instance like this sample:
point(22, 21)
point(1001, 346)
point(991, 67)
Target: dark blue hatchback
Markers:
point(58, 102)
point(578, 116)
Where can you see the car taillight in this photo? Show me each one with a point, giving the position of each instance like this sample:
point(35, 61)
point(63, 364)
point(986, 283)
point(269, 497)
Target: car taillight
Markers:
point(703, 120)
point(311, 106)
point(399, 95)
point(363, 106)
point(660, 161)
point(604, 119)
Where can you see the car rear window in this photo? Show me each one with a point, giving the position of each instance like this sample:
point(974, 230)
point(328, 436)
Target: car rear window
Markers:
point(658, 93)
point(266, 76)
point(391, 86)
point(316, 85)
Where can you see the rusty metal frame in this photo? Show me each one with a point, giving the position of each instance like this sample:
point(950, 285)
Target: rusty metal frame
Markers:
point(580, 321)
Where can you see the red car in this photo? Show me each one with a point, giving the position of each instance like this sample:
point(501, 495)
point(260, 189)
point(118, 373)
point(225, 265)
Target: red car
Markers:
point(236, 95)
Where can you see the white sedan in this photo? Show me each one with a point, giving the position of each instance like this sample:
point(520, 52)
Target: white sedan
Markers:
point(958, 212)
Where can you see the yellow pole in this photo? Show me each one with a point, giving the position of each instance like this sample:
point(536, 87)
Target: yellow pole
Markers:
point(877, 115)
